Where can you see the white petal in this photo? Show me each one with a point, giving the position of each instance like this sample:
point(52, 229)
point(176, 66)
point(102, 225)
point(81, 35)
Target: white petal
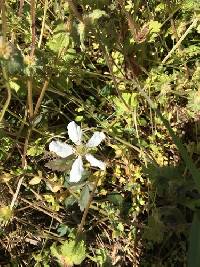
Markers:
point(96, 139)
point(95, 162)
point(61, 149)
point(76, 171)
point(74, 132)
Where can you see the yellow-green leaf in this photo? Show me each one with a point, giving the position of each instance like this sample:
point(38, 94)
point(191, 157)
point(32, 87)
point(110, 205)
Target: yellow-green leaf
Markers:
point(35, 180)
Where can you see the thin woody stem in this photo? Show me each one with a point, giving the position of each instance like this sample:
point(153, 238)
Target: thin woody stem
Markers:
point(43, 23)
point(192, 25)
point(33, 27)
point(5, 75)
point(30, 96)
point(81, 225)
point(5, 106)
point(39, 101)
point(74, 9)
point(21, 5)
point(30, 79)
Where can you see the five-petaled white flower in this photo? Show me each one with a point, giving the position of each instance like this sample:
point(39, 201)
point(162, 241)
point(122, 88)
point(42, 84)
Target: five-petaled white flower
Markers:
point(64, 150)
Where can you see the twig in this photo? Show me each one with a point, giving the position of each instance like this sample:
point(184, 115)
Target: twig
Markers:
point(21, 5)
point(6, 105)
point(74, 9)
point(193, 24)
point(43, 23)
point(3, 18)
point(30, 96)
point(87, 208)
point(39, 101)
point(18, 135)
point(45, 86)
point(26, 147)
point(30, 79)
point(22, 120)
point(33, 205)
point(5, 75)
point(14, 199)
point(33, 27)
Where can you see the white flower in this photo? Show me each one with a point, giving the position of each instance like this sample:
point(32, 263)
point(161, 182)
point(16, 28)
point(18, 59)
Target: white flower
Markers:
point(61, 149)
point(64, 150)
point(74, 132)
point(96, 139)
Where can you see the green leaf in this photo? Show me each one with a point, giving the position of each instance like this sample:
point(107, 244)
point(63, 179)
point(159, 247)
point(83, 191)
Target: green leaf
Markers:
point(14, 86)
point(5, 213)
point(69, 253)
point(35, 180)
point(75, 251)
point(182, 150)
point(15, 64)
point(69, 56)
point(84, 197)
point(36, 149)
point(59, 165)
point(120, 227)
point(154, 29)
point(69, 201)
point(96, 14)
point(129, 98)
point(154, 26)
point(116, 198)
point(190, 5)
point(155, 230)
point(102, 257)
point(63, 229)
point(60, 39)
point(194, 242)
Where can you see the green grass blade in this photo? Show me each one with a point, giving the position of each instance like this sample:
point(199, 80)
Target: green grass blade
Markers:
point(194, 243)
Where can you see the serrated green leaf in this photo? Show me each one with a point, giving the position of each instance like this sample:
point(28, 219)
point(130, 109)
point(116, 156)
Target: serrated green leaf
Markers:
point(154, 26)
point(69, 253)
point(155, 230)
point(60, 164)
point(129, 98)
point(70, 201)
point(69, 56)
point(154, 29)
point(76, 252)
point(120, 227)
point(60, 39)
point(35, 150)
point(102, 258)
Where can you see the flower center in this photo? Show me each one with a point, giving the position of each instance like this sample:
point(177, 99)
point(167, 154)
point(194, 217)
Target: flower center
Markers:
point(81, 150)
